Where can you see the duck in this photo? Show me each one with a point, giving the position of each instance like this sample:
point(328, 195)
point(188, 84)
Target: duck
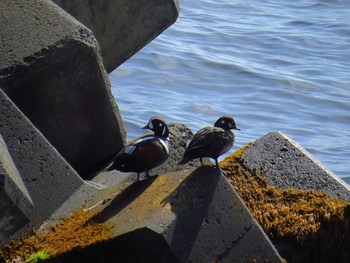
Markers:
point(211, 141)
point(146, 152)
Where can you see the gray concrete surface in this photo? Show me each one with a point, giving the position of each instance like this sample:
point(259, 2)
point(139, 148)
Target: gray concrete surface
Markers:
point(15, 201)
point(286, 164)
point(42, 180)
point(51, 68)
point(197, 213)
point(122, 27)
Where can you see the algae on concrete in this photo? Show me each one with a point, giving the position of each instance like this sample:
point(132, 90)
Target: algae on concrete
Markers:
point(313, 222)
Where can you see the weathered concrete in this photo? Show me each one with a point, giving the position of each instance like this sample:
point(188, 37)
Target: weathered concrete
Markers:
point(122, 27)
point(196, 213)
point(51, 68)
point(14, 197)
point(43, 180)
point(286, 164)
point(125, 248)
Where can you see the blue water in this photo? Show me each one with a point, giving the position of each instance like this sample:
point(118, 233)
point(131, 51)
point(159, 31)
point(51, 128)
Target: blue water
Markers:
point(275, 65)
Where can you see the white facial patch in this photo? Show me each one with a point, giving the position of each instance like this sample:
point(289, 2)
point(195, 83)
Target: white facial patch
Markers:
point(150, 125)
point(164, 129)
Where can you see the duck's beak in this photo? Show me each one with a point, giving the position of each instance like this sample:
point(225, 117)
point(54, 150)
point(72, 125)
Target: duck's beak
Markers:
point(146, 127)
point(237, 128)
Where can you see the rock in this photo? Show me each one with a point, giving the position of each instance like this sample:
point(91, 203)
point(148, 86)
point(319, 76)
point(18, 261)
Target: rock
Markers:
point(286, 164)
point(122, 27)
point(193, 216)
point(51, 68)
point(41, 181)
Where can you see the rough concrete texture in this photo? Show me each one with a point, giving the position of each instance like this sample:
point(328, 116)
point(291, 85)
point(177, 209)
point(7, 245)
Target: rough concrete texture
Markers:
point(45, 177)
point(14, 197)
point(286, 164)
point(51, 68)
point(179, 135)
point(195, 215)
point(122, 27)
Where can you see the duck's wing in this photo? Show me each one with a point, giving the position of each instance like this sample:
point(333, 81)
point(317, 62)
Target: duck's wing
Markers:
point(203, 138)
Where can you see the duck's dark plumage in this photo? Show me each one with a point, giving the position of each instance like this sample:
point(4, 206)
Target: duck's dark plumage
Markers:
point(211, 141)
point(146, 152)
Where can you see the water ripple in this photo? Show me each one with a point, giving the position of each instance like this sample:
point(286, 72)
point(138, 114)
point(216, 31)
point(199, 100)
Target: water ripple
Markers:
point(274, 65)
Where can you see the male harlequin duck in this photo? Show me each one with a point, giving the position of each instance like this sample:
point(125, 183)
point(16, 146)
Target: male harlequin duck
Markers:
point(211, 141)
point(146, 152)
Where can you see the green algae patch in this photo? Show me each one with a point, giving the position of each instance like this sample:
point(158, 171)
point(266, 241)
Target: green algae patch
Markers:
point(40, 256)
point(75, 231)
point(305, 217)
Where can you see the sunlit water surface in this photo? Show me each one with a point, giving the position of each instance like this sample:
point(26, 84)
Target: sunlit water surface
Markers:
point(274, 65)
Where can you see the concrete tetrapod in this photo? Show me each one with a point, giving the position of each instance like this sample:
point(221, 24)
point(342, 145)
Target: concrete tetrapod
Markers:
point(193, 216)
point(52, 70)
point(42, 181)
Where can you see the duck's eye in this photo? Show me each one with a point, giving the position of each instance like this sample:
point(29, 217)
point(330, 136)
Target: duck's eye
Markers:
point(222, 121)
point(160, 124)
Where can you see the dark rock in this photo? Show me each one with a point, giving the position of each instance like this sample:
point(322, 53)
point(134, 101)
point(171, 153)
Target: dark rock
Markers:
point(51, 68)
point(122, 27)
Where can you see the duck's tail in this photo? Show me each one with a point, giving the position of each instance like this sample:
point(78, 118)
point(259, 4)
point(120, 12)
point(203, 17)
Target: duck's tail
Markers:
point(183, 161)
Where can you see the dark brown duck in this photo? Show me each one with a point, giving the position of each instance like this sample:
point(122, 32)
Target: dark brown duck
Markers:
point(211, 141)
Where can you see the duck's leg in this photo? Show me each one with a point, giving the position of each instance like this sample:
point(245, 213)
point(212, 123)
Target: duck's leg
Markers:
point(138, 176)
point(201, 159)
point(147, 174)
point(217, 163)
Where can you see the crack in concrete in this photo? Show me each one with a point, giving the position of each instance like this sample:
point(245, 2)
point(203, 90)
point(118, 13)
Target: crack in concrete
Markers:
point(234, 243)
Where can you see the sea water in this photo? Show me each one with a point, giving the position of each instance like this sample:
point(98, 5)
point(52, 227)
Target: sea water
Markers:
point(275, 65)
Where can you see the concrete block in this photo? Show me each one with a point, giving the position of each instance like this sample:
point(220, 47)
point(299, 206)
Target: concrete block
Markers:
point(42, 179)
point(197, 214)
point(125, 248)
point(51, 68)
point(286, 164)
point(15, 201)
point(122, 27)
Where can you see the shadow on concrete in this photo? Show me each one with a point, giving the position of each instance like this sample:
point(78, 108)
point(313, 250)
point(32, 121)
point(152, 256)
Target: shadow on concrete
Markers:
point(122, 200)
point(141, 245)
point(190, 203)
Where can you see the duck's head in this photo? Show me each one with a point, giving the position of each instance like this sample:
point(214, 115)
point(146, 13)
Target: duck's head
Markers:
point(158, 126)
point(226, 123)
